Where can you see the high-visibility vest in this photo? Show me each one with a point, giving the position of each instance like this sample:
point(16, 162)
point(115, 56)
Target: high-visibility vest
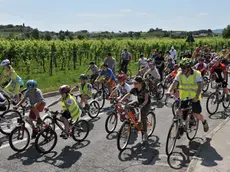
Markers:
point(188, 86)
point(86, 89)
point(73, 109)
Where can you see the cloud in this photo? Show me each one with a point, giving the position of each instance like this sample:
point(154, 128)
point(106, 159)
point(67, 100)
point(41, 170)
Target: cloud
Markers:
point(126, 10)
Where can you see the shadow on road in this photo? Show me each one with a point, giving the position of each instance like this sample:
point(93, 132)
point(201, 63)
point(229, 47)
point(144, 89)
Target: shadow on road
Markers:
point(158, 104)
point(3, 139)
point(141, 152)
point(219, 115)
point(112, 135)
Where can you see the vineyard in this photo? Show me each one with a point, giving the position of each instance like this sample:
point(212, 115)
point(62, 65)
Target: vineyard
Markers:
point(42, 59)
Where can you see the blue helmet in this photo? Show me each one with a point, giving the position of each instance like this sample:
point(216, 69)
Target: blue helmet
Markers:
point(31, 84)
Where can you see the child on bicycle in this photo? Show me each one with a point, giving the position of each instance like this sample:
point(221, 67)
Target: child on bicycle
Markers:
point(85, 90)
point(123, 87)
point(70, 108)
point(95, 71)
point(143, 100)
point(37, 104)
point(13, 87)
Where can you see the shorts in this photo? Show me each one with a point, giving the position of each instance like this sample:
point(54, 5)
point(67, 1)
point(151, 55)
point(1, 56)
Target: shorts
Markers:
point(40, 107)
point(66, 114)
point(221, 80)
point(196, 106)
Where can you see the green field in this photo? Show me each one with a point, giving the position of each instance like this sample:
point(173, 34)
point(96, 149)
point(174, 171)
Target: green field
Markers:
point(32, 59)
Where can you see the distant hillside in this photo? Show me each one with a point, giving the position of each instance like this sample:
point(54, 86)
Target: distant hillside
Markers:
point(217, 30)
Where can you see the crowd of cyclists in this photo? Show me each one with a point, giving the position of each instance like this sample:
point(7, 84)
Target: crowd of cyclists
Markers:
point(184, 75)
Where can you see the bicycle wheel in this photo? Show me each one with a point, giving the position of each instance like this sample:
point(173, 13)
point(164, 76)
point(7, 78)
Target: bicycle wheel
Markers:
point(100, 98)
point(49, 121)
point(44, 138)
point(21, 136)
point(151, 123)
point(192, 125)
point(94, 109)
point(173, 133)
point(111, 119)
point(124, 133)
point(81, 126)
point(8, 121)
point(224, 102)
point(205, 84)
point(212, 102)
point(175, 107)
point(7, 102)
point(160, 91)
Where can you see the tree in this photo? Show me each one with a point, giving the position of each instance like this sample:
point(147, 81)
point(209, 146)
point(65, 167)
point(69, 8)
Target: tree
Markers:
point(47, 37)
point(81, 37)
point(61, 37)
point(226, 32)
point(35, 34)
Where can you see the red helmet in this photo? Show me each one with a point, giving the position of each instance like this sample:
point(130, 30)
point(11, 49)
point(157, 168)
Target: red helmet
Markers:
point(64, 89)
point(176, 66)
point(121, 77)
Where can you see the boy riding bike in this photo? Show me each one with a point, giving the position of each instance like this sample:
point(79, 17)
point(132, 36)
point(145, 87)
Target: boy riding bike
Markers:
point(13, 87)
point(95, 71)
point(190, 86)
point(201, 66)
point(85, 90)
point(70, 108)
point(143, 100)
point(37, 104)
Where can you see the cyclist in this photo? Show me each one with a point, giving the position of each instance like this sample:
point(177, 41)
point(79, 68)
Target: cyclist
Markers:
point(190, 86)
point(201, 66)
point(169, 68)
point(123, 87)
point(85, 90)
point(219, 68)
point(174, 72)
point(37, 103)
point(143, 62)
point(109, 75)
point(125, 59)
point(95, 71)
point(70, 108)
point(143, 100)
point(13, 87)
point(142, 71)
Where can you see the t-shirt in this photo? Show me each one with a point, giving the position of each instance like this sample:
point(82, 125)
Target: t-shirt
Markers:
point(140, 94)
point(124, 89)
point(93, 68)
point(108, 73)
point(126, 55)
point(111, 63)
point(199, 67)
point(143, 62)
point(170, 66)
point(34, 96)
point(173, 54)
point(159, 60)
point(153, 73)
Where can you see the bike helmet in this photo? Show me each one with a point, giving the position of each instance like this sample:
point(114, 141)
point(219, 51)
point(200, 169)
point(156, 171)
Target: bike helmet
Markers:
point(91, 63)
point(121, 77)
point(64, 89)
point(5, 62)
point(83, 77)
point(185, 62)
point(31, 84)
point(138, 79)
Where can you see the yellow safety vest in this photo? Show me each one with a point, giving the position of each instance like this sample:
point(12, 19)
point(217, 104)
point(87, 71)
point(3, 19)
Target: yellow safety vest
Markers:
point(86, 90)
point(188, 86)
point(73, 109)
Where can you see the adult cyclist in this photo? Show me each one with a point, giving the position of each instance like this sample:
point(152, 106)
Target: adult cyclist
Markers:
point(190, 86)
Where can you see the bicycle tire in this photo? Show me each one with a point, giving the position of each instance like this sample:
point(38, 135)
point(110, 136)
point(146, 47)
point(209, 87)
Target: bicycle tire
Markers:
point(208, 104)
point(107, 122)
point(160, 85)
point(75, 126)
point(225, 106)
point(8, 101)
point(205, 81)
point(120, 148)
point(100, 94)
point(2, 116)
point(44, 133)
point(175, 104)
point(97, 106)
point(169, 152)
point(189, 116)
point(52, 121)
point(153, 124)
point(16, 129)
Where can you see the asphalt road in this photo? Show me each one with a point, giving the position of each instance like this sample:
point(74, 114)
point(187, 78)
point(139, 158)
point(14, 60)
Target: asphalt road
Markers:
point(99, 153)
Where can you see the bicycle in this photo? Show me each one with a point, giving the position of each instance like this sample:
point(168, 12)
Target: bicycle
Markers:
point(183, 123)
point(93, 110)
point(218, 98)
point(21, 132)
point(113, 116)
point(175, 104)
point(76, 127)
point(134, 123)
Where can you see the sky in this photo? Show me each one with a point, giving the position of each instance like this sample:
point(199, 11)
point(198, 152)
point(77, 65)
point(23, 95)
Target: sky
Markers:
point(116, 15)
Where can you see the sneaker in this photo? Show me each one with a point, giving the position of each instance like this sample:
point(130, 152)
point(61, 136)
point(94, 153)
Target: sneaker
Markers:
point(205, 125)
point(65, 136)
point(145, 137)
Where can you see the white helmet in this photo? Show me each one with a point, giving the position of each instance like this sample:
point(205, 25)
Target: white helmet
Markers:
point(5, 62)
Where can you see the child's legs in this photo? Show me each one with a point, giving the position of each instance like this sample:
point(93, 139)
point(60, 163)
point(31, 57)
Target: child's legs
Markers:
point(64, 118)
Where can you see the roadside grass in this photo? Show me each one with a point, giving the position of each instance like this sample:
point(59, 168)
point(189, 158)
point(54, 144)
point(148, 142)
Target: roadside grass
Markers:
point(70, 77)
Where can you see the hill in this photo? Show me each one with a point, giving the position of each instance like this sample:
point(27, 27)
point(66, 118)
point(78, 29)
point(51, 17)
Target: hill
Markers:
point(217, 30)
